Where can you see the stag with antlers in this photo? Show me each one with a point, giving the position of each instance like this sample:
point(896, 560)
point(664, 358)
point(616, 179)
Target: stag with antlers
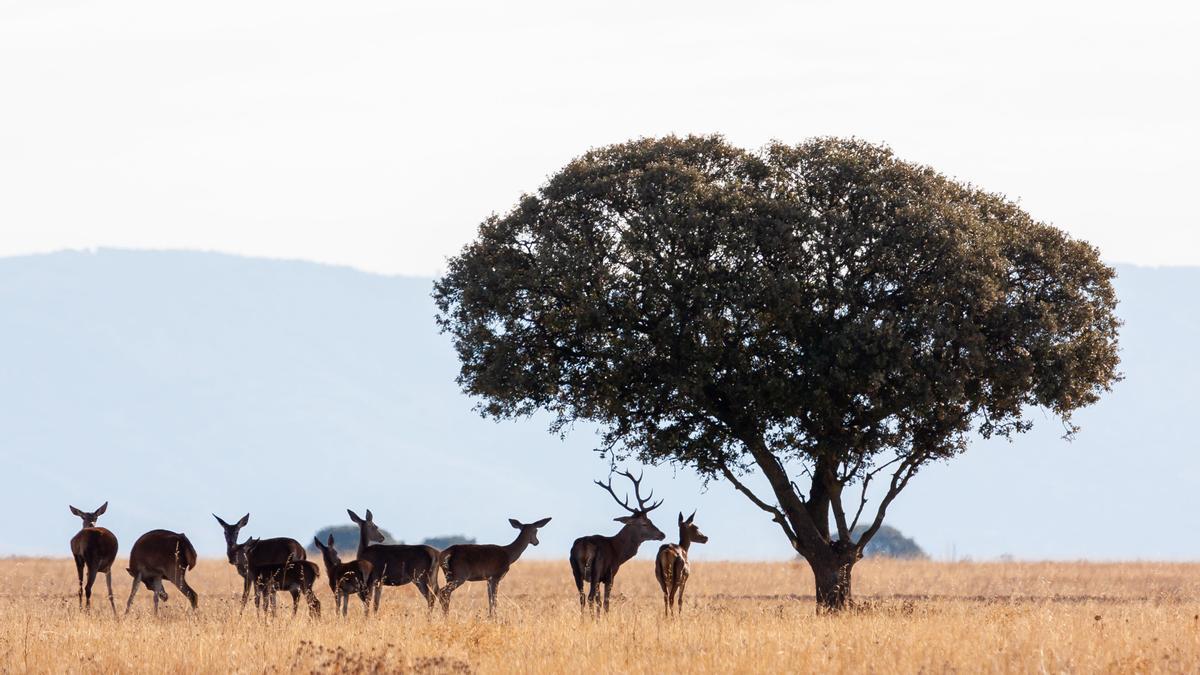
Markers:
point(596, 559)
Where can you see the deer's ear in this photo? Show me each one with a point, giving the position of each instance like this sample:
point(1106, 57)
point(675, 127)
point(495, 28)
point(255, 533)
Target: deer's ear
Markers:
point(223, 523)
point(103, 507)
point(681, 517)
point(75, 511)
point(515, 523)
point(370, 516)
point(691, 518)
point(245, 519)
point(354, 516)
point(542, 522)
point(329, 542)
point(623, 519)
point(318, 543)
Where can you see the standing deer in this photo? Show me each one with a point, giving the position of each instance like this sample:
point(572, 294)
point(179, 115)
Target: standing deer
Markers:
point(671, 565)
point(395, 564)
point(95, 548)
point(297, 576)
point(597, 558)
point(485, 562)
point(160, 554)
point(345, 578)
point(274, 551)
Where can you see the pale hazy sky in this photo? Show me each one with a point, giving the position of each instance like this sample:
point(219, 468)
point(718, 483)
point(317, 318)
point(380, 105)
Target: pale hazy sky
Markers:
point(379, 134)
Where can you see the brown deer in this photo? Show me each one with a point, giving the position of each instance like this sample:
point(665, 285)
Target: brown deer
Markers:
point(597, 558)
point(396, 564)
point(297, 576)
point(95, 548)
point(671, 565)
point(345, 578)
point(158, 555)
point(274, 551)
point(485, 562)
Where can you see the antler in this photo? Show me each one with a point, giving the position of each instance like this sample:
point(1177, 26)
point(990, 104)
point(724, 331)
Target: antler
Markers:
point(637, 493)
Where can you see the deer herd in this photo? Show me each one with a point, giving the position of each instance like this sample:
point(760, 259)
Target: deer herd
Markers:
point(267, 566)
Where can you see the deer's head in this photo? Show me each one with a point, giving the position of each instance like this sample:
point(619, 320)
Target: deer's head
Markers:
point(689, 531)
point(328, 552)
point(529, 530)
point(367, 526)
point(240, 554)
point(231, 535)
point(90, 517)
point(638, 521)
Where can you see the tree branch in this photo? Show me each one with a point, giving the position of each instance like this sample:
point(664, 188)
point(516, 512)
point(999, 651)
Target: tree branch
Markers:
point(777, 515)
point(908, 467)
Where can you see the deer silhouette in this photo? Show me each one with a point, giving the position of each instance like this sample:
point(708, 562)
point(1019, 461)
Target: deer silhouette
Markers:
point(671, 566)
point(94, 548)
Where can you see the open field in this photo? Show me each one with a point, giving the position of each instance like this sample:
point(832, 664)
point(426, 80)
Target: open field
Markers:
point(740, 617)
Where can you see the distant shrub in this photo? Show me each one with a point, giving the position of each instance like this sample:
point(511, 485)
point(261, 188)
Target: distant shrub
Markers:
point(448, 540)
point(890, 543)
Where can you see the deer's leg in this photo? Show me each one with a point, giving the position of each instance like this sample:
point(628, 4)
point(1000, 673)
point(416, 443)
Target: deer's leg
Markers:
point(187, 591)
point(364, 594)
point(607, 591)
point(79, 571)
point(91, 579)
point(444, 594)
point(295, 589)
point(377, 587)
point(137, 580)
point(108, 579)
point(246, 591)
point(682, 585)
point(422, 584)
point(492, 584)
point(158, 592)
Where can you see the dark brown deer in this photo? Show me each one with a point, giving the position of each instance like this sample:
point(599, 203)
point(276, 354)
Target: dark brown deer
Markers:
point(396, 564)
point(296, 576)
point(94, 548)
point(461, 563)
point(671, 565)
point(345, 578)
point(274, 551)
point(597, 558)
point(158, 555)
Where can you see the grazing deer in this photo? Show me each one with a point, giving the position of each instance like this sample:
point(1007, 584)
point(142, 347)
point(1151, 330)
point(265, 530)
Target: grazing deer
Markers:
point(158, 555)
point(396, 564)
point(95, 548)
point(274, 551)
point(671, 565)
point(297, 576)
point(597, 558)
point(345, 578)
point(485, 562)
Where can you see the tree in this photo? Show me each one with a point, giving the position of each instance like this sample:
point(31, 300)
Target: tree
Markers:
point(447, 540)
point(823, 314)
point(345, 537)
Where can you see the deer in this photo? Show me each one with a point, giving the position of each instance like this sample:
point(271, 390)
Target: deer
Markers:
point(597, 558)
point(158, 555)
point(671, 566)
point(297, 576)
point(345, 578)
point(274, 551)
point(461, 563)
point(396, 564)
point(94, 548)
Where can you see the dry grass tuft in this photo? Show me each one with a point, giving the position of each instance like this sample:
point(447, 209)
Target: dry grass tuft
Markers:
point(739, 617)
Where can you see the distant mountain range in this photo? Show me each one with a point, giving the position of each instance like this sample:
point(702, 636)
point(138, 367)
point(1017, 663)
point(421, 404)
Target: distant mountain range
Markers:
point(177, 384)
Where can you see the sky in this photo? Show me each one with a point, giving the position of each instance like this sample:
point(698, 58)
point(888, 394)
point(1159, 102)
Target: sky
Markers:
point(379, 134)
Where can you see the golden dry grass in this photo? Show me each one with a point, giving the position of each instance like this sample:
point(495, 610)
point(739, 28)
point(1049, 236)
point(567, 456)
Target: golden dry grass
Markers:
point(740, 617)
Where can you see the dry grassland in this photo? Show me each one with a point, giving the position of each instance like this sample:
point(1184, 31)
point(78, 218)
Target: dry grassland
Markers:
point(740, 618)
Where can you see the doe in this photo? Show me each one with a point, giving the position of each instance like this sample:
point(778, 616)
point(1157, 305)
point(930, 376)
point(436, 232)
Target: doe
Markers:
point(345, 578)
point(158, 555)
point(671, 566)
point(485, 562)
point(94, 548)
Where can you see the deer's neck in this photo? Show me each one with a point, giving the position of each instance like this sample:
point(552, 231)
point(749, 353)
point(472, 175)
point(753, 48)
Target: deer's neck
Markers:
point(685, 542)
point(517, 547)
point(362, 541)
point(626, 543)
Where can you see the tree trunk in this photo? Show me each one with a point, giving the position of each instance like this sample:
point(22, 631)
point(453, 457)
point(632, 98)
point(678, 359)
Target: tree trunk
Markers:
point(832, 575)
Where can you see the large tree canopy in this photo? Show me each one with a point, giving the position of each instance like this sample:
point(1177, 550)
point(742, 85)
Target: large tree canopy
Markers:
point(823, 313)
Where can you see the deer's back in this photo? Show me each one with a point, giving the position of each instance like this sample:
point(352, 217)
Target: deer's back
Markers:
point(95, 544)
point(400, 563)
point(474, 562)
point(670, 563)
point(160, 553)
point(276, 551)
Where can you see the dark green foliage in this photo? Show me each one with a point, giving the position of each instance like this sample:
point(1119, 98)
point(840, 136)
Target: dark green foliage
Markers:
point(823, 313)
point(345, 539)
point(448, 540)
